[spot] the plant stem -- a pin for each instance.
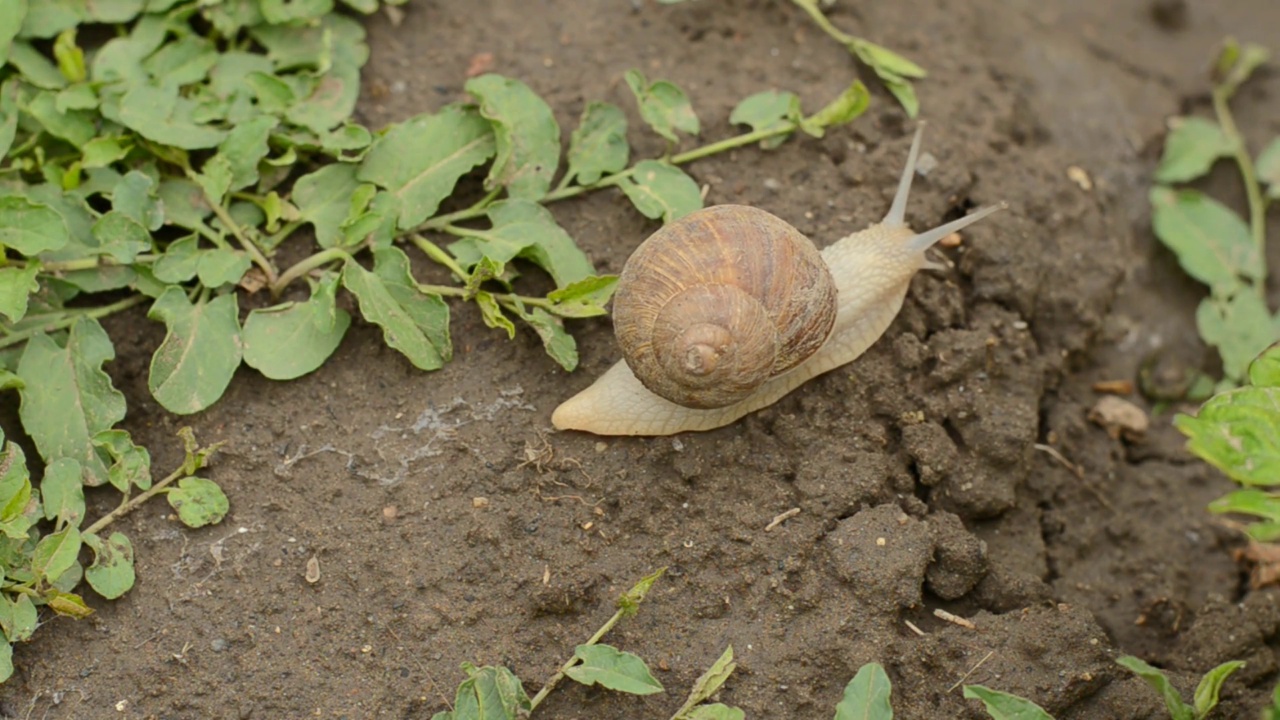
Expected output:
(87, 263)
(555, 679)
(129, 505)
(69, 318)
(434, 252)
(509, 299)
(1249, 175)
(254, 253)
(476, 210)
(811, 7)
(305, 266)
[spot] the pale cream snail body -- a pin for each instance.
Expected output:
(728, 309)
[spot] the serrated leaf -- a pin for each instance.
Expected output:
(1192, 147)
(526, 133)
(598, 146)
(767, 111)
(608, 667)
(130, 463)
(1213, 245)
(1239, 327)
(67, 398)
(844, 109)
(421, 160)
(111, 574)
(199, 502)
(62, 492)
(867, 696)
(415, 324)
(663, 105)
(293, 339)
(56, 553)
(30, 227)
(1004, 706)
(201, 351)
(583, 298)
(659, 190)
(1206, 695)
(16, 285)
(558, 343)
(1178, 710)
(489, 693)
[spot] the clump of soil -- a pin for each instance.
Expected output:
(951, 468)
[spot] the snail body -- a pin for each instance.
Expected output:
(729, 309)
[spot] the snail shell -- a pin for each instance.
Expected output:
(714, 304)
(872, 270)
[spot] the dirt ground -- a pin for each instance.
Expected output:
(933, 440)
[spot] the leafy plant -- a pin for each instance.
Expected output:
(1206, 695)
(43, 531)
(1238, 432)
(169, 166)
(1212, 243)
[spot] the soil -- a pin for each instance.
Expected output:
(952, 467)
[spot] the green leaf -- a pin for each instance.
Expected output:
(1206, 696)
(1235, 63)
(415, 324)
(844, 109)
(882, 58)
(69, 56)
(523, 228)
(30, 227)
(1212, 243)
(12, 13)
(1178, 710)
(130, 463)
(1268, 166)
(74, 126)
(288, 11)
(584, 298)
(153, 112)
(19, 618)
(67, 398)
(766, 111)
(134, 196)
(710, 681)
(8, 112)
(222, 266)
(14, 480)
(1240, 328)
(1264, 371)
(608, 667)
(68, 604)
(663, 105)
(16, 285)
(659, 190)
(199, 502)
(526, 133)
(36, 69)
(101, 152)
(179, 262)
(867, 696)
(324, 199)
(1259, 503)
(1191, 149)
(56, 553)
(331, 101)
(629, 601)
(62, 492)
(492, 314)
(246, 146)
(290, 340)
(111, 574)
(201, 351)
(419, 161)
(599, 146)
(1004, 706)
(1238, 432)
(489, 693)
(6, 650)
(121, 237)
(714, 711)
(559, 344)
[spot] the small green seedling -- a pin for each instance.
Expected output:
(1212, 243)
(1238, 432)
(1206, 695)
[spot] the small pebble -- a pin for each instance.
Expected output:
(398, 87)
(480, 502)
(772, 184)
(218, 645)
(926, 164)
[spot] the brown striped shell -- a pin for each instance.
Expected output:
(714, 304)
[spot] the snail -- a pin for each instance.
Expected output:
(728, 309)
